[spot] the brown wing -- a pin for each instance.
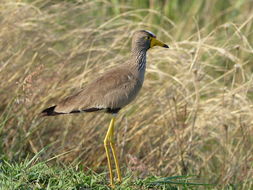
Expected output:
(113, 89)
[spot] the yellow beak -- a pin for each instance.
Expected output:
(155, 42)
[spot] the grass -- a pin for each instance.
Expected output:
(41, 176)
(193, 116)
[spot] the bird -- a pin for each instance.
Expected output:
(112, 91)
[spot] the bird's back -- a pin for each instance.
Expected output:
(112, 90)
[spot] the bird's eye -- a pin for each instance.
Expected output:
(147, 37)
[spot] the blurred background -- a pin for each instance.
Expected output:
(194, 114)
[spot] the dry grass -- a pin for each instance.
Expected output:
(193, 116)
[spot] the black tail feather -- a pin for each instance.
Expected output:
(49, 112)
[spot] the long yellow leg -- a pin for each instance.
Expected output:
(112, 143)
(106, 144)
(109, 139)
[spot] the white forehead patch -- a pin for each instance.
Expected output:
(151, 33)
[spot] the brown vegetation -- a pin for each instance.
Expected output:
(194, 114)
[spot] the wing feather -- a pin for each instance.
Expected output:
(114, 89)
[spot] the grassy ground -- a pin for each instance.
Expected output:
(193, 116)
(33, 175)
(40, 176)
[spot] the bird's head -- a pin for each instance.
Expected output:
(143, 40)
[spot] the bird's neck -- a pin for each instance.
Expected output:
(139, 59)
